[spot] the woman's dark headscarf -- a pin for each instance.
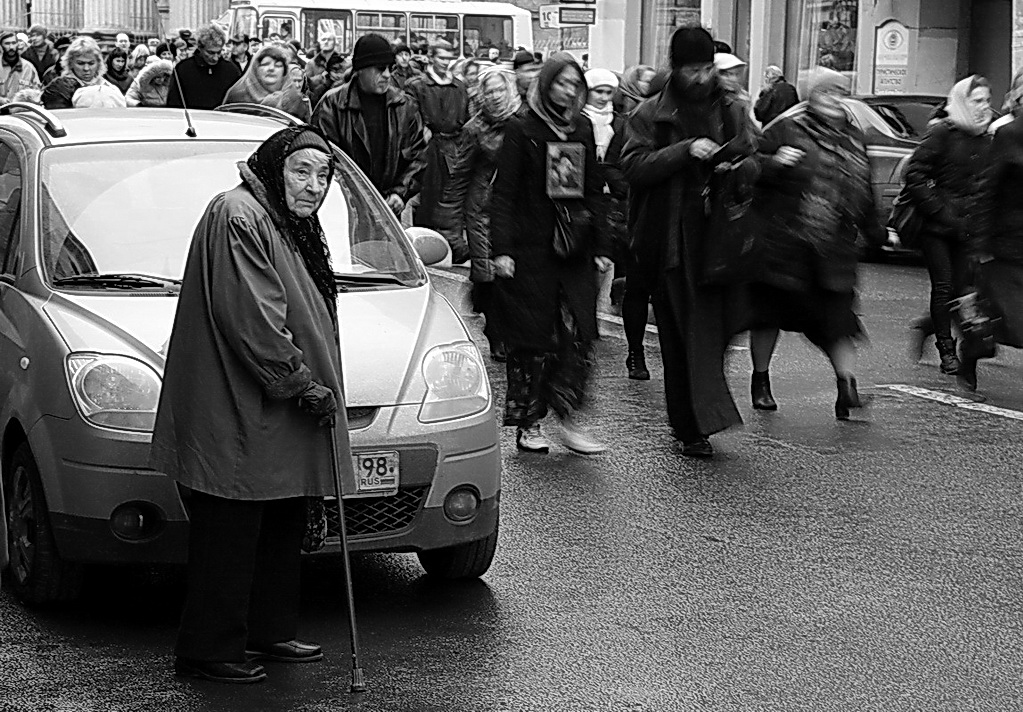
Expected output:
(562, 121)
(267, 163)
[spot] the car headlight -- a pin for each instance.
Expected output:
(456, 383)
(117, 392)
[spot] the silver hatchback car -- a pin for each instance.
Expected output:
(97, 209)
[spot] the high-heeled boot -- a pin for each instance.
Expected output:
(760, 390)
(947, 351)
(636, 363)
(848, 397)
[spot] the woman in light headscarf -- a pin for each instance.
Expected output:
(634, 87)
(547, 294)
(267, 73)
(289, 97)
(813, 200)
(1000, 248)
(943, 181)
(152, 85)
(467, 194)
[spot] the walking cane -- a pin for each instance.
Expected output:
(358, 678)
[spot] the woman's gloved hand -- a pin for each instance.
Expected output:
(319, 400)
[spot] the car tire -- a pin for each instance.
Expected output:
(37, 573)
(464, 561)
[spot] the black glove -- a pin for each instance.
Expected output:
(319, 400)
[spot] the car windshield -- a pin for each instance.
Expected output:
(124, 213)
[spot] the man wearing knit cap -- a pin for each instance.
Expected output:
(403, 70)
(16, 73)
(673, 145)
(443, 103)
(526, 68)
(40, 52)
(376, 123)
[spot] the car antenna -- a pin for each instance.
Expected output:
(190, 131)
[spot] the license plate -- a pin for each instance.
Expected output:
(376, 473)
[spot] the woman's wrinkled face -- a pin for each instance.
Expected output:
(565, 88)
(306, 178)
(118, 64)
(600, 97)
(645, 78)
(979, 104)
(270, 71)
(85, 67)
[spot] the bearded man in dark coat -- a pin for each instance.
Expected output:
(444, 106)
(673, 144)
(251, 388)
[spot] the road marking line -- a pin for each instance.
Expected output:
(954, 401)
(610, 318)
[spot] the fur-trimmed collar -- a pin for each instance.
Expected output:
(258, 190)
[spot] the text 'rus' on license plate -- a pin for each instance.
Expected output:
(376, 472)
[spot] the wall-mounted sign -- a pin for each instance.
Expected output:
(578, 16)
(549, 16)
(891, 58)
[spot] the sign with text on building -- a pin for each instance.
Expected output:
(550, 16)
(556, 16)
(891, 58)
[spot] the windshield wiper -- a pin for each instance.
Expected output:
(366, 278)
(117, 280)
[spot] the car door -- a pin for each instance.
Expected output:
(13, 310)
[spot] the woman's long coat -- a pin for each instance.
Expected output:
(522, 227)
(251, 331)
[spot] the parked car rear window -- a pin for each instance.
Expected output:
(132, 208)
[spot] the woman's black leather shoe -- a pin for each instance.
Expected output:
(235, 673)
(967, 375)
(636, 363)
(289, 651)
(848, 397)
(698, 448)
(760, 390)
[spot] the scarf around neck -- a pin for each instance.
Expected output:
(442, 81)
(510, 100)
(603, 129)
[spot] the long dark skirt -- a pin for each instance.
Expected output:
(541, 381)
(824, 317)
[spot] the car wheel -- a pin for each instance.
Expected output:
(38, 574)
(470, 560)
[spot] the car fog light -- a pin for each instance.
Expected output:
(461, 504)
(135, 521)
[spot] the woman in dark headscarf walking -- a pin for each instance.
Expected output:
(467, 195)
(944, 183)
(634, 87)
(252, 385)
(548, 296)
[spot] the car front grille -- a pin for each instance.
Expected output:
(376, 515)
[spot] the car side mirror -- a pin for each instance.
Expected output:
(430, 245)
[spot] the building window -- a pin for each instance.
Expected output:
(823, 33)
(668, 15)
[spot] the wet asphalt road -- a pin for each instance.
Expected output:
(813, 565)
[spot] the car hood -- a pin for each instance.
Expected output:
(384, 335)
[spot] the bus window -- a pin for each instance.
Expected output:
(245, 22)
(427, 29)
(390, 25)
(485, 31)
(278, 25)
(316, 23)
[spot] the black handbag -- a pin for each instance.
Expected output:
(572, 227)
(906, 220)
(728, 249)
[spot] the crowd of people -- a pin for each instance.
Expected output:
(564, 188)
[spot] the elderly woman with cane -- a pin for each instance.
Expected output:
(252, 390)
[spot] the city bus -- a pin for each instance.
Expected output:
(471, 27)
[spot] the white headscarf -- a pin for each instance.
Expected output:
(959, 112)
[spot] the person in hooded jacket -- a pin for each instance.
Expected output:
(944, 180)
(253, 389)
(151, 86)
(266, 74)
(117, 69)
(548, 296)
(466, 199)
(634, 87)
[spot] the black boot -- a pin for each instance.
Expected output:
(636, 363)
(947, 352)
(848, 397)
(760, 389)
(967, 374)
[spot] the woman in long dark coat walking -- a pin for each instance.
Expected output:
(251, 385)
(813, 198)
(548, 303)
(466, 200)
